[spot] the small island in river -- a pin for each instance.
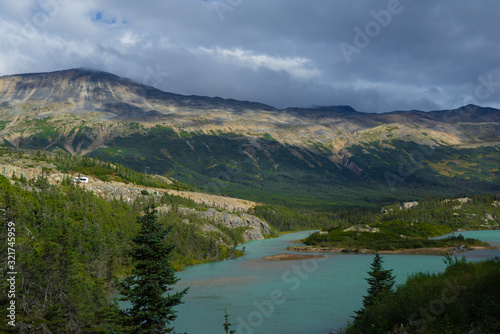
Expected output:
(395, 236)
(291, 257)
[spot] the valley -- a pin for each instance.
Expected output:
(224, 175)
(309, 157)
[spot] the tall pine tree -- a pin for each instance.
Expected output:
(227, 325)
(381, 282)
(152, 277)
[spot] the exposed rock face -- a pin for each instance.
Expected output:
(404, 206)
(18, 171)
(255, 227)
(365, 228)
(29, 168)
(463, 200)
(489, 217)
(344, 155)
(221, 202)
(408, 205)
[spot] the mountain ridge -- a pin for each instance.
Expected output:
(97, 75)
(141, 90)
(224, 143)
(109, 97)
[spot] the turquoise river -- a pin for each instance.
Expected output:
(313, 296)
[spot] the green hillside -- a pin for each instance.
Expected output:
(70, 246)
(240, 166)
(308, 157)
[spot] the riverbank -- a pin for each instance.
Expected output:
(291, 257)
(409, 251)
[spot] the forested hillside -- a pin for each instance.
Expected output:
(70, 245)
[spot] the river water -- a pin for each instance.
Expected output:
(313, 296)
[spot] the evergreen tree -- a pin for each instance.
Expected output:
(152, 277)
(227, 325)
(381, 282)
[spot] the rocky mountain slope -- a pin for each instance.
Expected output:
(231, 213)
(239, 147)
(66, 101)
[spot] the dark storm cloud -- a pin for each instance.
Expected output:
(373, 55)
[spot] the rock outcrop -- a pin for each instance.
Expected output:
(408, 205)
(365, 228)
(255, 228)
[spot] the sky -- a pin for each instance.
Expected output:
(375, 56)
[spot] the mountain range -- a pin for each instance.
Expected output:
(301, 156)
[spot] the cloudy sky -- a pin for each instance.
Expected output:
(373, 55)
